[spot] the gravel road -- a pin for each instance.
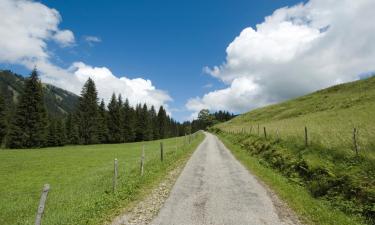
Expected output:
(214, 188)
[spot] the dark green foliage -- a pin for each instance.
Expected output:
(102, 123)
(3, 124)
(128, 126)
(71, 128)
(29, 124)
(163, 122)
(143, 124)
(58, 102)
(88, 114)
(154, 123)
(114, 122)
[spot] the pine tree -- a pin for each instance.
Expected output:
(71, 129)
(29, 124)
(60, 133)
(121, 117)
(162, 121)
(147, 125)
(3, 125)
(88, 113)
(102, 123)
(114, 126)
(154, 123)
(129, 122)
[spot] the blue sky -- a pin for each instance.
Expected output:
(170, 42)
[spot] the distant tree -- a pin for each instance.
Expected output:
(71, 130)
(88, 113)
(154, 123)
(60, 133)
(52, 137)
(114, 123)
(102, 123)
(129, 122)
(163, 123)
(29, 124)
(3, 123)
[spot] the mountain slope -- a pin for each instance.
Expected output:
(58, 102)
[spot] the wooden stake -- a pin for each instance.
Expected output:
(114, 183)
(265, 133)
(42, 203)
(306, 138)
(355, 145)
(161, 152)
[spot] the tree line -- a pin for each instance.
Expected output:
(92, 122)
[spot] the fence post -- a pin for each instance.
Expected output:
(142, 159)
(355, 145)
(161, 152)
(114, 183)
(306, 138)
(265, 133)
(42, 203)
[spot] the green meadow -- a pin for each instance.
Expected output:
(81, 179)
(328, 168)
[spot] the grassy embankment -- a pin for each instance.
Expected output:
(325, 182)
(81, 179)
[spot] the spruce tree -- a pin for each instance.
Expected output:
(3, 125)
(121, 117)
(71, 129)
(114, 126)
(52, 137)
(102, 123)
(162, 122)
(29, 124)
(154, 123)
(60, 133)
(88, 113)
(128, 125)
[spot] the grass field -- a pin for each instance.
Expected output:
(328, 167)
(81, 179)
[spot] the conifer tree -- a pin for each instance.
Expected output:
(129, 122)
(29, 124)
(3, 125)
(102, 123)
(60, 133)
(154, 123)
(71, 128)
(121, 117)
(114, 126)
(147, 125)
(52, 134)
(162, 121)
(88, 113)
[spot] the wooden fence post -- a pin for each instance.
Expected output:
(114, 183)
(42, 203)
(142, 159)
(306, 138)
(161, 152)
(265, 133)
(355, 145)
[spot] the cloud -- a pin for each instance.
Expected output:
(91, 40)
(295, 50)
(137, 90)
(26, 28)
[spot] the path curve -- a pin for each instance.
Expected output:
(214, 188)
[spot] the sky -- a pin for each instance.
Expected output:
(188, 55)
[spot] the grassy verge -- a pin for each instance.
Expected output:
(81, 180)
(290, 188)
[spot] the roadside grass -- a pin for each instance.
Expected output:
(81, 179)
(309, 209)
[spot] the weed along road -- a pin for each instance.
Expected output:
(214, 188)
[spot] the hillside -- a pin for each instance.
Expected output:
(327, 167)
(58, 101)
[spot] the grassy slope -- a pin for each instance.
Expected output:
(328, 168)
(81, 180)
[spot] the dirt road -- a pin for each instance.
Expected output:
(214, 188)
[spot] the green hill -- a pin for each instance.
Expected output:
(58, 101)
(328, 167)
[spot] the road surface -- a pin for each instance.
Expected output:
(214, 188)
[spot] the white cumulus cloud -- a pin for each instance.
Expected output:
(92, 39)
(294, 51)
(27, 26)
